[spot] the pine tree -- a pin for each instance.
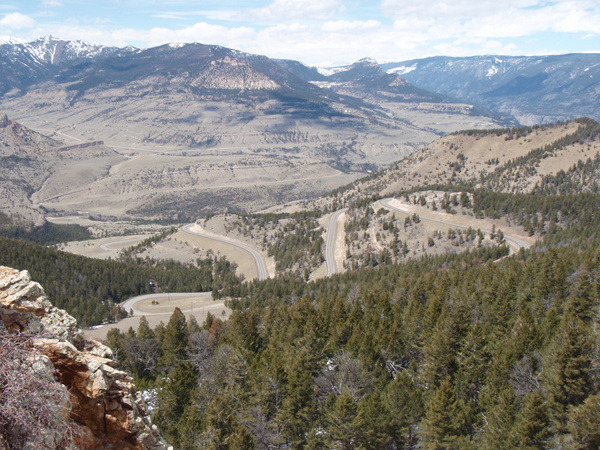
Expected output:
(582, 299)
(444, 421)
(208, 321)
(343, 423)
(378, 428)
(221, 423)
(404, 401)
(297, 409)
(193, 325)
(440, 352)
(473, 362)
(498, 421)
(584, 423)
(569, 365)
(175, 339)
(189, 427)
(532, 424)
(144, 331)
(240, 438)
(174, 396)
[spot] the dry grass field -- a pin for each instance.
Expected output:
(181, 246)
(102, 248)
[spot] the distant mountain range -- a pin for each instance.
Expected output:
(518, 90)
(24, 64)
(528, 89)
(205, 69)
(199, 96)
(514, 90)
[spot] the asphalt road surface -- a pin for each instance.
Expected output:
(129, 304)
(330, 243)
(261, 266)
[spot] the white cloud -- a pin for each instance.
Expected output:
(350, 25)
(443, 19)
(52, 3)
(323, 31)
(200, 32)
(17, 21)
(290, 10)
(450, 9)
(10, 40)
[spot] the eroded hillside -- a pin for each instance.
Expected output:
(506, 160)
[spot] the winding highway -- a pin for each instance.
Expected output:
(513, 241)
(107, 247)
(330, 242)
(129, 304)
(261, 265)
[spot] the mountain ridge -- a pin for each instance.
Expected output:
(200, 110)
(530, 89)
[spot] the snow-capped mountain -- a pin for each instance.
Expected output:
(25, 63)
(56, 51)
(50, 50)
(367, 80)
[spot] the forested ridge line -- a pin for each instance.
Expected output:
(48, 233)
(465, 355)
(469, 350)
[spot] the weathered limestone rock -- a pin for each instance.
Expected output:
(23, 304)
(106, 409)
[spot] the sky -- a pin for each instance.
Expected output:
(319, 32)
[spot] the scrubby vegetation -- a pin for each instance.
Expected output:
(35, 405)
(298, 247)
(468, 350)
(455, 350)
(508, 175)
(146, 243)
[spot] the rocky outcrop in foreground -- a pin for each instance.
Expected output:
(99, 403)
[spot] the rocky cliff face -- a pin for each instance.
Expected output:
(102, 408)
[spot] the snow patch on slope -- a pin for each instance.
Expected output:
(50, 50)
(402, 70)
(492, 71)
(327, 71)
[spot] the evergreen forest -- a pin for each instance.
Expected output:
(470, 350)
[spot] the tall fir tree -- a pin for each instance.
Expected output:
(174, 340)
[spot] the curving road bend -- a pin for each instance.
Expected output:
(261, 265)
(330, 242)
(107, 247)
(129, 304)
(513, 241)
